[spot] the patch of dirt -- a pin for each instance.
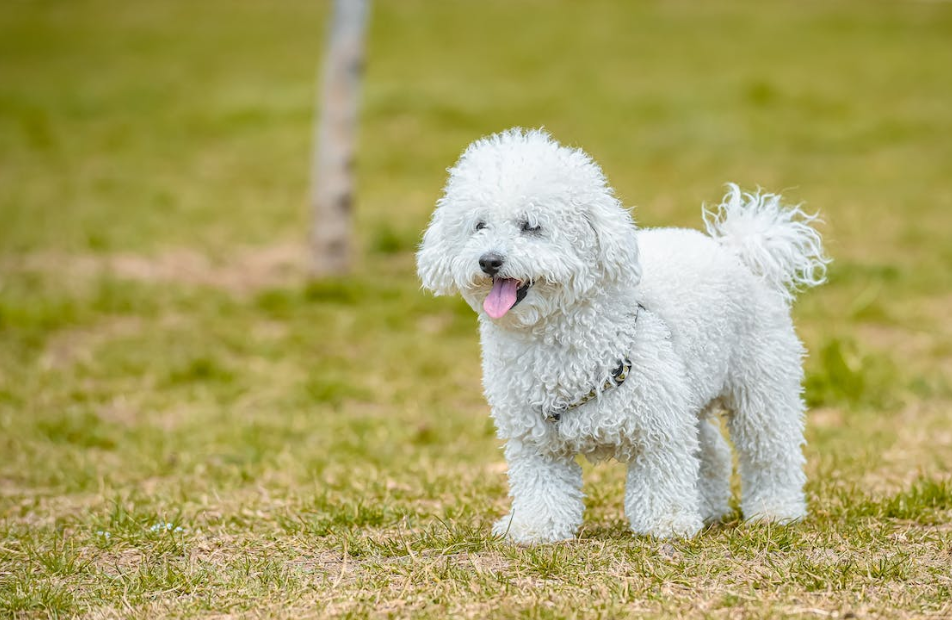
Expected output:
(923, 447)
(68, 347)
(246, 270)
(910, 343)
(825, 417)
(119, 411)
(939, 306)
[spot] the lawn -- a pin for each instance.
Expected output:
(191, 428)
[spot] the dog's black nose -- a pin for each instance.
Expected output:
(490, 262)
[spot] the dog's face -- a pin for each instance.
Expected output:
(526, 228)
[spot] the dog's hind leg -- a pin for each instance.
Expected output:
(547, 500)
(714, 481)
(766, 426)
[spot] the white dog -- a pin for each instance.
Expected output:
(611, 342)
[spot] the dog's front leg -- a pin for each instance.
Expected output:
(661, 495)
(546, 496)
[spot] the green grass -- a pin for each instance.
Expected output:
(324, 447)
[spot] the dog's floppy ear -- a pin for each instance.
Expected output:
(617, 241)
(433, 257)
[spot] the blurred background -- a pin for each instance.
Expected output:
(163, 348)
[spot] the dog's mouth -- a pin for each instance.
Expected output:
(504, 296)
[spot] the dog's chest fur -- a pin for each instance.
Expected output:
(527, 374)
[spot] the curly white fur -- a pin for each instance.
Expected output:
(704, 321)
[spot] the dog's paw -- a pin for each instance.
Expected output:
(780, 517)
(680, 525)
(527, 532)
(714, 513)
(782, 511)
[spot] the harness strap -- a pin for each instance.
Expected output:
(619, 374)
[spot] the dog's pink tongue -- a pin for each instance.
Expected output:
(501, 298)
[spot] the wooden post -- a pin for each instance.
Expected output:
(335, 140)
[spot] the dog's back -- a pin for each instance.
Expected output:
(706, 296)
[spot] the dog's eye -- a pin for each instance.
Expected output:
(528, 228)
(480, 225)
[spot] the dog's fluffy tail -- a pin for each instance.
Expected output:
(775, 241)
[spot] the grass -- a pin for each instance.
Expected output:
(189, 428)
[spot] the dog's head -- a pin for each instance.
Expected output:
(526, 228)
